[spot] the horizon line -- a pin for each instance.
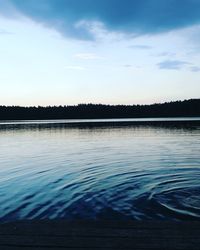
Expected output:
(102, 104)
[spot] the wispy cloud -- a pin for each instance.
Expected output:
(130, 66)
(169, 54)
(127, 66)
(87, 56)
(195, 69)
(75, 68)
(172, 64)
(141, 47)
(5, 32)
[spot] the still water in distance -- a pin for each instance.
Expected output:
(137, 171)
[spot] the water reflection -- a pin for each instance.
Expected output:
(126, 170)
(172, 123)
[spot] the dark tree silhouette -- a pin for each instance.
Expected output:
(187, 108)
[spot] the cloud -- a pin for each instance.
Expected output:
(77, 18)
(195, 69)
(87, 56)
(130, 66)
(166, 54)
(142, 47)
(5, 32)
(127, 66)
(172, 64)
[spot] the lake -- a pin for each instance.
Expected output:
(140, 169)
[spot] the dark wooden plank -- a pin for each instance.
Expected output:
(31, 248)
(93, 230)
(51, 226)
(105, 233)
(92, 235)
(95, 242)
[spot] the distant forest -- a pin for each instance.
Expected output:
(185, 108)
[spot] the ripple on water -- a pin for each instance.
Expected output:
(132, 172)
(185, 201)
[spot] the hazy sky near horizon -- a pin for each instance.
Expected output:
(62, 52)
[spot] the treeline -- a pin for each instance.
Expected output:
(185, 108)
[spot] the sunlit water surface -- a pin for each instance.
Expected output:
(135, 172)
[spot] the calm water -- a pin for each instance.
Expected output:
(116, 171)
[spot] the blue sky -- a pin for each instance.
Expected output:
(99, 51)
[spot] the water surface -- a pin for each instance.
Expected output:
(139, 171)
